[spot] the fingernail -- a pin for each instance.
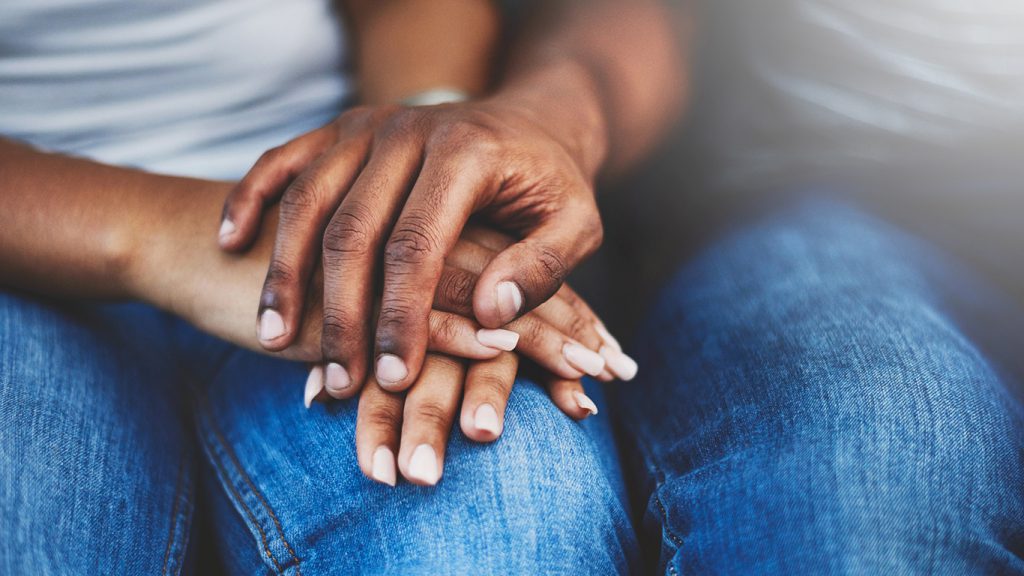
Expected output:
(501, 339)
(271, 325)
(605, 376)
(227, 228)
(384, 466)
(486, 419)
(607, 336)
(390, 370)
(337, 378)
(314, 384)
(510, 300)
(583, 358)
(423, 465)
(584, 401)
(621, 365)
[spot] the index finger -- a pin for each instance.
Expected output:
(429, 225)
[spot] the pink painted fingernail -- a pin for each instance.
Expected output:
(607, 336)
(314, 384)
(423, 465)
(501, 339)
(337, 378)
(510, 300)
(622, 366)
(390, 370)
(584, 401)
(271, 325)
(227, 228)
(383, 469)
(486, 419)
(582, 358)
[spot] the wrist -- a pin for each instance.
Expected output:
(164, 242)
(562, 97)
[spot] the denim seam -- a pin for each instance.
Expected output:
(673, 539)
(180, 499)
(657, 475)
(216, 462)
(226, 447)
(676, 540)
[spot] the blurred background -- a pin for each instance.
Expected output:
(912, 107)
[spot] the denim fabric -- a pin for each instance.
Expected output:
(98, 465)
(540, 500)
(819, 393)
(825, 394)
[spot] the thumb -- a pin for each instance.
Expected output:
(529, 272)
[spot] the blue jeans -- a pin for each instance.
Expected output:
(819, 392)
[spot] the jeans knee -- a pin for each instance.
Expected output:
(810, 365)
(540, 499)
(85, 429)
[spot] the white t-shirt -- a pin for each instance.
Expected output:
(187, 87)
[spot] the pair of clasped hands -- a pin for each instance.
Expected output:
(388, 227)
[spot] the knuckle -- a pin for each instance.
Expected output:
(303, 194)
(446, 329)
(493, 383)
(403, 122)
(280, 274)
(412, 244)
(338, 329)
(350, 232)
(552, 265)
(393, 315)
(532, 330)
(270, 157)
(465, 133)
(383, 417)
(433, 415)
(457, 288)
(355, 117)
(578, 327)
(382, 112)
(566, 293)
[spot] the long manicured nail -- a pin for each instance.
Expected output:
(583, 358)
(423, 465)
(271, 325)
(390, 370)
(510, 300)
(605, 376)
(337, 379)
(314, 384)
(486, 419)
(227, 228)
(607, 336)
(384, 466)
(621, 365)
(501, 339)
(584, 401)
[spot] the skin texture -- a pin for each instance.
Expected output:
(125, 234)
(383, 192)
(78, 229)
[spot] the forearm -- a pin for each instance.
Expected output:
(407, 46)
(79, 229)
(609, 76)
(72, 227)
